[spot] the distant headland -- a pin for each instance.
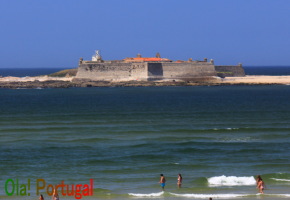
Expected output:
(143, 71)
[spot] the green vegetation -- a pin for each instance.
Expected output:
(64, 73)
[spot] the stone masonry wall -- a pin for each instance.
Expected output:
(121, 71)
(188, 70)
(155, 71)
(230, 71)
(104, 71)
(112, 71)
(139, 71)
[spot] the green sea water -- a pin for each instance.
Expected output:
(218, 138)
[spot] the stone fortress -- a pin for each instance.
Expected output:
(152, 69)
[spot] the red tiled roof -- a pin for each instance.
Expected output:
(148, 59)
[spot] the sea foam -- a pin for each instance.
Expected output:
(277, 179)
(157, 194)
(231, 181)
(206, 196)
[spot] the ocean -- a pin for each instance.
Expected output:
(22, 72)
(218, 137)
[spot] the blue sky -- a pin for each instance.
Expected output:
(51, 33)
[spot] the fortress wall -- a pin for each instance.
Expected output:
(104, 71)
(109, 71)
(139, 71)
(230, 71)
(188, 70)
(155, 71)
(121, 71)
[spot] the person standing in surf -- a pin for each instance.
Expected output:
(55, 195)
(179, 180)
(162, 181)
(260, 184)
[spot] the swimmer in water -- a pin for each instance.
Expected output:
(162, 181)
(179, 180)
(260, 184)
(55, 195)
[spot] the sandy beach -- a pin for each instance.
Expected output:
(284, 80)
(34, 78)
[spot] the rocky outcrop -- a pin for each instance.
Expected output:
(89, 83)
(37, 84)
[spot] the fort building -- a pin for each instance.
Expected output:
(152, 68)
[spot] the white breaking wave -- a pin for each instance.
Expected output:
(206, 196)
(231, 181)
(276, 195)
(232, 128)
(203, 196)
(277, 179)
(158, 194)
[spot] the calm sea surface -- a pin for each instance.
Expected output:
(217, 137)
(22, 72)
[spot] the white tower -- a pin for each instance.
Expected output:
(97, 56)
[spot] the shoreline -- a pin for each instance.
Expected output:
(67, 82)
